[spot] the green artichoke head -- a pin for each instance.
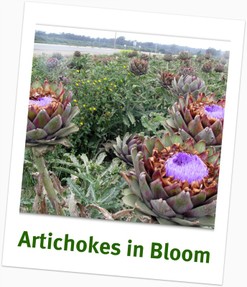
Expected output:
(138, 66)
(174, 181)
(49, 114)
(122, 147)
(188, 84)
(199, 118)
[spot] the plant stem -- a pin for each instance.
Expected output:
(38, 154)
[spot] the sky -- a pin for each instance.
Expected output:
(159, 39)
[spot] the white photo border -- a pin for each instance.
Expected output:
(102, 230)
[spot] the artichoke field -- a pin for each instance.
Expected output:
(132, 136)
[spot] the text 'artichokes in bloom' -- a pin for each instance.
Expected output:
(174, 181)
(201, 118)
(49, 114)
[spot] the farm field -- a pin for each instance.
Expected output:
(124, 135)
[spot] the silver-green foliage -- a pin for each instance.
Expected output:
(92, 182)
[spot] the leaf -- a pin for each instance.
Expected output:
(126, 121)
(72, 205)
(74, 188)
(84, 158)
(131, 118)
(100, 158)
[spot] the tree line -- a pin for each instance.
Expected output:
(119, 43)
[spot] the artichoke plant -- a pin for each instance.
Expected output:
(122, 148)
(166, 79)
(184, 55)
(168, 57)
(138, 66)
(52, 63)
(174, 181)
(77, 54)
(200, 119)
(207, 67)
(145, 57)
(219, 68)
(186, 71)
(49, 114)
(49, 123)
(188, 85)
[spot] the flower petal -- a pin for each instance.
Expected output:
(162, 209)
(53, 125)
(158, 190)
(36, 134)
(203, 210)
(144, 187)
(41, 119)
(181, 202)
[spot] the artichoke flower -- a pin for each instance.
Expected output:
(200, 119)
(122, 148)
(49, 114)
(207, 67)
(166, 79)
(184, 55)
(188, 85)
(52, 63)
(138, 66)
(219, 68)
(168, 57)
(174, 181)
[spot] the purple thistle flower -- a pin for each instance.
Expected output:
(214, 111)
(186, 167)
(41, 102)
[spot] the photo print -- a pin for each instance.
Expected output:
(124, 126)
(123, 143)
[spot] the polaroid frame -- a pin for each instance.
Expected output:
(124, 234)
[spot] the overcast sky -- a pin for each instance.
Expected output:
(182, 41)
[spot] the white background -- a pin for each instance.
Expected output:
(11, 21)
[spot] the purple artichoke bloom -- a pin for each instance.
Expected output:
(49, 114)
(214, 111)
(41, 102)
(184, 166)
(174, 181)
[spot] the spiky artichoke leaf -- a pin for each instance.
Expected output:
(53, 125)
(207, 221)
(203, 210)
(36, 134)
(132, 181)
(207, 135)
(141, 206)
(63, 132)
(130, 200)
(185, 222)
(74, 111)
(200, 146)
(164, 221)
(40, 143)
